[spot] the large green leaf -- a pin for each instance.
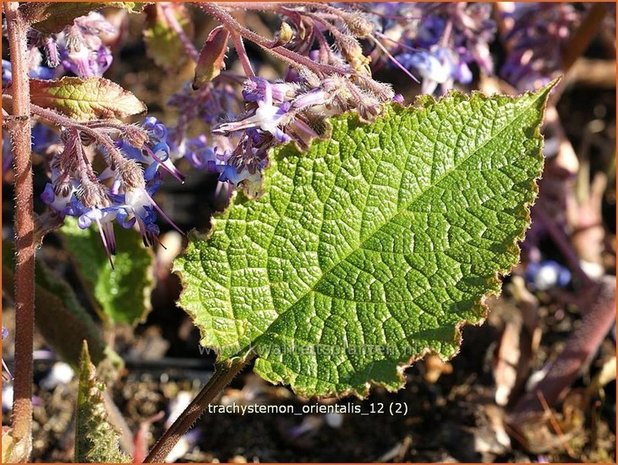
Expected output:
(372, 248)
(122, 292)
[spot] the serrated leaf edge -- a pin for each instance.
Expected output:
(494, 283)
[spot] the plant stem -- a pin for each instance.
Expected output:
(580, 40)
(177, 27)
(288, 56)
(20, 132)
(56, 118)
(598, 307)
(561, 240)
(242, 54)
(223, 375)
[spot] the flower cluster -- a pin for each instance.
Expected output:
(442, 43)
(78, 49)
(123, 191)
(242, 126)
(81, 48)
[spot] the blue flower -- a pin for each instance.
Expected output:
(127, 198)
(268, 116)
(156, 153)
(200, 154)
(39, 72)
(434, 66)
(547, 274)
(430, 31)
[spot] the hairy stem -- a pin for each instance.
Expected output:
(20, 133)
(223, 375)
(242, 54)
(177, 27)
(288, 56)
(57, 119)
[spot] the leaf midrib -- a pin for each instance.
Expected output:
(312, 287)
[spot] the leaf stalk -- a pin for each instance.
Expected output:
(224, 373)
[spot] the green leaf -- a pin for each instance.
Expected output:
(96, 441)
(372, 248)
(163, 44)
(85, 99)
(52, 17)
(122, 292)
(60, 318)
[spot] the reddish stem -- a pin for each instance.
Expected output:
(223, 375)
(20, 132)
(560, 238)
(56, 118)
(598, 306)
(289, 56)
(242, 54)
(177, 27)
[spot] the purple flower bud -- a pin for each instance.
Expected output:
(309, 99)
(155, 152)
(267, 117)
(48, 195)
(7, 154)
(7, 76)
(60, 197)
(155, 128)
(232, 175)
(51, 51)
(430, 66)
(84, 62)
(199, 154)
(90, 216)
(462, 73)
(41, 72)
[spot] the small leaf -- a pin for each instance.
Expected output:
(212, 57)
(85, 99)
(52, 17)
(96, 441)
(123, 292)
(163, 43)
(372, 248)
(59, 317)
